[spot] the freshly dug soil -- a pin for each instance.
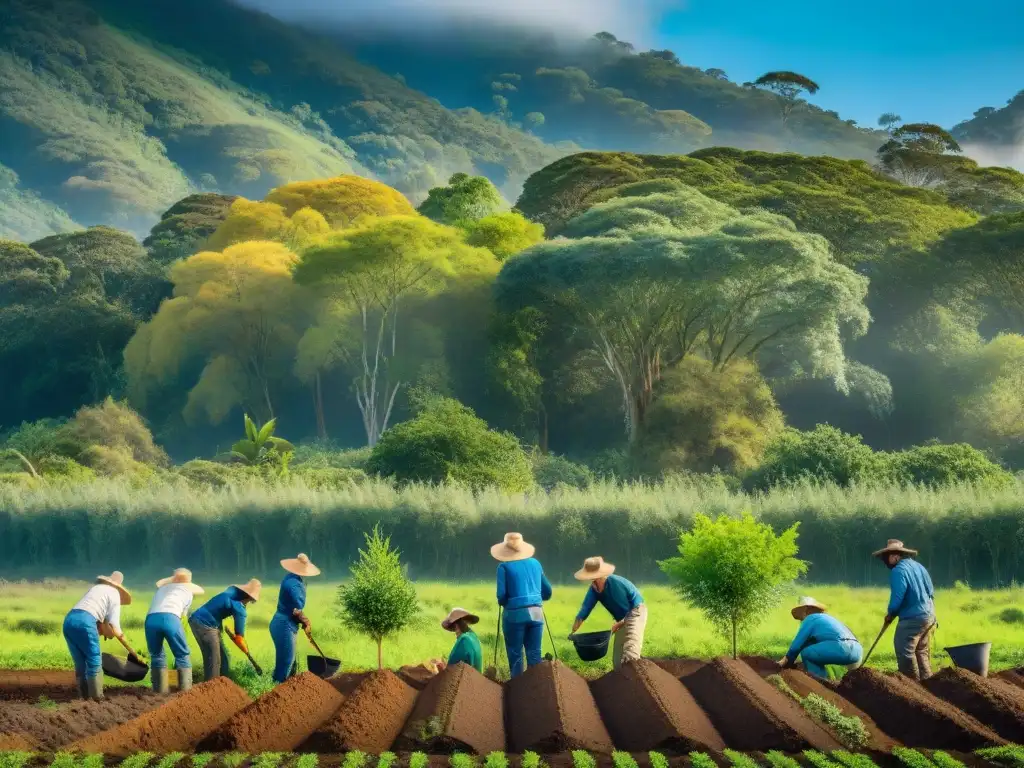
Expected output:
(750, 714)
(416, 675)
(30, 684)
(176, 726)
(920, 719)
(679, 667)
(459, 711)
(999, 705)
(53, 728)
(549, 708)
(1013, 676)
(17, 742)
(370, 719)
(278, 721)
(645, 708)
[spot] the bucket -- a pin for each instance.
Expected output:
(591, 646)
(323, 666)
(123, 669)
(973, 657)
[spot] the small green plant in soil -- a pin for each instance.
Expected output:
(496, 760)
(418, 760)
(461, 760)
(701, 760)
(46, 703)
(267, 760)
(853, 760)
(1010, 755)
(202, 760)
(386, 759)
(307, 761)
(912, 758)
(530, 760)
(171, 759)
(71, 760)
(234, 759)
(657, 760)
(139, 760)
(849, 730)
(16, 759)
(778, 760)
(819, 760)
(583, 759)
(739, 760)
(943, 760)
(354, 759)
(623, 760)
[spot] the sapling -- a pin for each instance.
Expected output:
(386, 759)
(701, 760)
(739, 760)
(461, 760)
(530, 760)
(583, 759)
(138, 760)
(623, 760)
(418, 760)
(657, 760)
(354, 759)
(496, 760)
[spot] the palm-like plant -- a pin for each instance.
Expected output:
(260, 446)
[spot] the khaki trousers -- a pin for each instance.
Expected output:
(629, 641)
(913, 644)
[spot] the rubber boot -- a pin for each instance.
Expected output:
(184, 679)
(159, 680)
(94, 686)
(83, 688)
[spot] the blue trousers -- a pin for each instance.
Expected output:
(841, 653)
(522, 632)
(83, 641)
(283, 631)
(162, 627)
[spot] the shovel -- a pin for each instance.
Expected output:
(330, 666)
(872, 648)
(492, 671)
(252, 661)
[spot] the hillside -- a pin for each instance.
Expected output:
(999, 131)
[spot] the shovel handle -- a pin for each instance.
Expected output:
(872, 648)
(309, 636)
(259, 670)
(131, 652)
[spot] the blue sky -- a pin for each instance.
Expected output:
(928, 61)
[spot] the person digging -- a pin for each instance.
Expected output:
(164, 623)
(912, 601)
(206, 623)
(291, 599)
(622, 600)
(97, 613)
(822, 639)
(467, 645)
(522, 588)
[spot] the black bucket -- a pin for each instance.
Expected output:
(323, 666)
(973, 657)
(591, 646)
(123, 669)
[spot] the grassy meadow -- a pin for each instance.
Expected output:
(31, 615)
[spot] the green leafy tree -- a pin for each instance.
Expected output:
(913, 154)
(503, 234)
(26, 275)
(944, 465)
(734, 570)
(184, 227)
(466, 198)
(378, 601)
(787, 86)
(889, 121)
(823, 455)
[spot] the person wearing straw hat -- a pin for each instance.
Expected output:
(822, 639)
(164, 622)
(285, 625)
(522, 589)
(622, 600)
(206, 624)
(98, 612)
(467, 645)
(912, 601)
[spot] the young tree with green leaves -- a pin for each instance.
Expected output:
(734, 570)
(914, 154)
(379, 600)
(787, 86)
(889, 121)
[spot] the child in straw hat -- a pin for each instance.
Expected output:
(98, 611)
(168, 610)
(912, 601)
(821, 640)
(206, 624)
(467, 645)
(522, 588)
(285, 625)
(622, 600)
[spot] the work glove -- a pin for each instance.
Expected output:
(240, 643)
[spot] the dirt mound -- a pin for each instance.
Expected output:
(371, 718)
(278, 721)
(549, 708)
(1012, 676)
(679, 667)
(750, 714)
(993, 702)
(460, 710)
(17, 742)
(924, 719)
(645, 708)
(30, 684)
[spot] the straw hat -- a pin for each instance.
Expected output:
(182, 577)
(116, 580)
(458, 613)
(805, 606)
(895, 547)
(252, 589)
(512, 548)
(594, 568)
(300, 566)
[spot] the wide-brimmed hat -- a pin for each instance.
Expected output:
(252, 589)
(594, 568)
(116, 580)
(512, 548)
(805, 606)
(895, 547)
(458, 613)
(183, 578)
(300, 566)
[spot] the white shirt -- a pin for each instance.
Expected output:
(171, 598)
(103, 603)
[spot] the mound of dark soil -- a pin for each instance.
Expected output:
(679, 667)
(919, 718)
(993, 702)
(751, 715)
(549, 708)
(459, 711)
(644, 708)
(1012, 676)
(370, 719)
(278, 721)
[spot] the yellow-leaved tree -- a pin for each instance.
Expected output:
(342, 200)
(250, 220)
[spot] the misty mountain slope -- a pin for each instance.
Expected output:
(24, 216)
(996, 134)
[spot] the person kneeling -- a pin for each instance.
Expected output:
(467, 645)
(821, 640)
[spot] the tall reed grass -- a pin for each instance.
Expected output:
(963, 533)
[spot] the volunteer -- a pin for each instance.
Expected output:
(622, 600)
(207, 621)
(522, 588)
(285, 625)
(98, 612)
(912, 601)
(822, 639)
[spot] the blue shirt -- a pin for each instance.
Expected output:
(911, 592)
(292, 596)
(619, 596)
(522, 583)
(219, 607)
(818, 628)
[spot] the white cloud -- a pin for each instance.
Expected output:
(1003, 156)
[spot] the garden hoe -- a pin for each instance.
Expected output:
(492, 671)
(872, 648)
(252, 661)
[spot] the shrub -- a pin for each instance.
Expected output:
(912, 758)
(354, 759)
(623, 760)
(328, 478)
(657, 760)
(37, 440)
(818, 760)
(213, 474)
(938, 465)
(203, 759)
(446, 442)
(701, 760)
(1011, 616)
(550, 472)
(943, 760)
(461, 760)
(849, 730)
(496, 760)
(138, 760)
(739, 760)
(115, 427)
(64, 469)
(778, 760)
(324, 454)
(386, 759)
(823, 455)
(418, 760)
(530, 760)
(583, 759)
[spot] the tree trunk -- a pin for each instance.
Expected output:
(380, 654)
(318, 404)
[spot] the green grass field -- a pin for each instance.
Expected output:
(31, 617)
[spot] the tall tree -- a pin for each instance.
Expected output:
(465, 199)
(914, 154)
(787, 86)
(889, 121)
